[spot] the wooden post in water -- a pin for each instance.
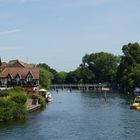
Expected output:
(105, 96)
(105, 89)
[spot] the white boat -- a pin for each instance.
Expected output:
(48, 97)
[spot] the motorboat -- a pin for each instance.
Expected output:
(46, 94)
(48, 97)
(136, 103)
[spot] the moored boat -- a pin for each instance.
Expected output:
(48, 97)
(136, 103)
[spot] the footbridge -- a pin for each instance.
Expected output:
(79, 86)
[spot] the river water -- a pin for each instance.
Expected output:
(78, 116)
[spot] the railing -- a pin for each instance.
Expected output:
(55, 86)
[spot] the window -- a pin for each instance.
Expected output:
(9, 78)
(29, 77)
(17, 78)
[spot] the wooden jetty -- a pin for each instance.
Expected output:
(31, 107)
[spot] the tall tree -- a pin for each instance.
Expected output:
(128, 74)
(100, 67)
(59, 78)
(45, 78)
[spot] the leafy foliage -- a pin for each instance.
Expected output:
(41, 100)
(10, 110)
(13, 107)
(18, 95)
(4, 93)
(59, 77)
(45, 78)
(34, 96)
(6, 109)
(128, 74)
(95, 68)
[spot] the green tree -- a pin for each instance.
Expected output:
(45, 78)
(128, 74)
(100, 67)
(45, 66)
(59, 78)
(73, 77)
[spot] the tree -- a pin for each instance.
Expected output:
(100, 67)
(45, 78)
(59, 78)
(128, 74)
(73, 77)
(45, 66)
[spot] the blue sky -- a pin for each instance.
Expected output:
(61, 32)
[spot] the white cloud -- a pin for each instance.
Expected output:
(9, 32)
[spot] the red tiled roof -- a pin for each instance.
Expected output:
(12, 63)
(23, 72)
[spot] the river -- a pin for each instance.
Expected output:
(78, 116)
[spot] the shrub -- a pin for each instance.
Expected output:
(19, 111)
(41, 100)
(19, 98)
(6, 109)
(4, 93)
(34, 96)
(42, 94)
(18, 95)
(13, 107)
(10, 110)
(17, 90)
(6, 103)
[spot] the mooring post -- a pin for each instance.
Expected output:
(105, 96)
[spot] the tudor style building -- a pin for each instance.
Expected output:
(17, 73)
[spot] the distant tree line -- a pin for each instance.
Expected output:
(120, 71)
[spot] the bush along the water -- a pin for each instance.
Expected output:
(6, 112)
(34, 96)
(41, 100)
(34, 99)
(14, 106)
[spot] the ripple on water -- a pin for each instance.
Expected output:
(78, 116)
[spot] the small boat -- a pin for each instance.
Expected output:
(48, 97)
(105, 89)
(136, 103)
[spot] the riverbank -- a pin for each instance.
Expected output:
(15, 103)
(31, 107)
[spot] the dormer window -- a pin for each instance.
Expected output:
(17, 78)
(29, 77)
(9, 78)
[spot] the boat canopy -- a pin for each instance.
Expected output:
(43, 90)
